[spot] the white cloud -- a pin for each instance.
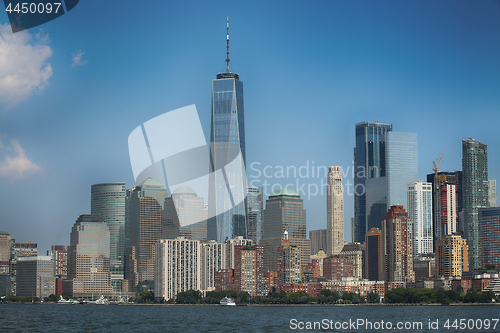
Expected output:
(77, 59)
(23, 65)
(15, 164)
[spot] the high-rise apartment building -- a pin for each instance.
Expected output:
(451, 255)
(288, 263)
(255, 213)
(34, 276)
(88, 258)
(108, 201)
(213, 258)
(397, 246)
(146, 205)
(334, 211)
(374, 258)
(492, 192)
(231, 246)
(284, 212)
(177, 267)
(337, 267)
(227, 179)
(370, 163)
(318, 240)
(420, 211)
(59, 257)
(249, 270)
(356, 252)
(447, 202)
(489, 237)
(475, 193)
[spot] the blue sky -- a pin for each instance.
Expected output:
(311, 70)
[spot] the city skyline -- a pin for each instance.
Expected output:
(409, 76)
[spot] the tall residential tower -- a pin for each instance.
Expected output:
(334, 211)
(475, 193)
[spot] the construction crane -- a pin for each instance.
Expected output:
(435, 169)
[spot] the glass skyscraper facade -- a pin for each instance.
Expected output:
(402, 166)
(108, 201)
(369, 162)
(255, 217)
(227, 180)
(475, 193)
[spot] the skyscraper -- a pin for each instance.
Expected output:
(492, 192)
(369, 162)
(397, 246)
(284, 212)
(334, 211)
(446, 201)
(385, 161)
(108, 201)
(451, 254)
(318, 240)
(255, 216)
(227, 180)
(146, 207)
(184, 215)
(489, 237)
(374, 259)
(88, 258)
(420, 211)
(475, 193)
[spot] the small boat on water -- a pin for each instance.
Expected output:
(226, 301)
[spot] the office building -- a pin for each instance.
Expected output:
(284, 212)
(489, 237)
(59, 257)
(492, 192)
(334, 211)
(374, 258)
(108, 201)
(177, 267)
(255, 213)
(34, 276)
(19, 250)
(420, 211)
(385, 162)
(185, 215)
(89, 271)
(475, 193)
(146, 205)
(227, 179)
(370, 163)
(318, 240)
(397, 246)
(451, 256)
(5, 245)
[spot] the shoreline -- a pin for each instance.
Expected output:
(264, 305)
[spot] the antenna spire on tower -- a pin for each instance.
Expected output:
(227, 51)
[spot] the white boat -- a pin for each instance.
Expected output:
(226, 301)
(66, 301)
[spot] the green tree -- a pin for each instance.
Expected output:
(372, 297)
